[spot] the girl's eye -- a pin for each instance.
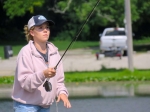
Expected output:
(40, 27)
(47, 27)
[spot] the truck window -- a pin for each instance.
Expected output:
(115, 33)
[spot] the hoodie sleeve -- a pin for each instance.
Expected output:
(28, 79)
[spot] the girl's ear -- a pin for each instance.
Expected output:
(31, 33)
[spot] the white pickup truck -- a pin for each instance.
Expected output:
(113, 39)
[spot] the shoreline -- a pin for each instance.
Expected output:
(98, 89)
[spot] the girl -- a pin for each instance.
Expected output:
(35, 65)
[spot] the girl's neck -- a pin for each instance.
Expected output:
(41, 47)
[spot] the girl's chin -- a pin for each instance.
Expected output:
(44, 40)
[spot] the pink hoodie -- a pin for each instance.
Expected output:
(29, 78)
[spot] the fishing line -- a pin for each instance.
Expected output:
(56, 105)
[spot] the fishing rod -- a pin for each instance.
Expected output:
(47, 85)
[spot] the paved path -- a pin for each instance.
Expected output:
(85, 60)
(89, 62)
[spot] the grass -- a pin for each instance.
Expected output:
(104, 75)
(144, 41)
(6, 79)
(62, 45)
(16, 46)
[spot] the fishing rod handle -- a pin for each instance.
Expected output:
(47, 85)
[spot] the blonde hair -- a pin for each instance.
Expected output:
(27, 33)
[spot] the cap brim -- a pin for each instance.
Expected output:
(51, 23)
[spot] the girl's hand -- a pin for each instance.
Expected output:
(49, 73)
(64, 98)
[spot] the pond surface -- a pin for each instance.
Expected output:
(122, 104)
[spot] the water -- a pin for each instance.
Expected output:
(124, 104)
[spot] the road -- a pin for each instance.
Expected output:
(85, 60)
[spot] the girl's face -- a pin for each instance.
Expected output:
(41, 33)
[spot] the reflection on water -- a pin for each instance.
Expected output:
(125, 104)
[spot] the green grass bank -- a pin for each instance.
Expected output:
(104, 75)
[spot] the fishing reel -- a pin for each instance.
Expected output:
(48, 86)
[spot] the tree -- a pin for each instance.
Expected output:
(70, 14)
(108, 13)
(20, 7)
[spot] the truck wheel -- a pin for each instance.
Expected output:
(125, 53)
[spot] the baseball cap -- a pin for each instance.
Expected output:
(38, 20)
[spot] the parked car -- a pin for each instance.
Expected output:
(113, 39)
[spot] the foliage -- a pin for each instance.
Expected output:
(108, 13)
(143, 41)
(63, 36)
(70, 18)
(19, 8)
(104, 75)
(108, 75)
(6, 79)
